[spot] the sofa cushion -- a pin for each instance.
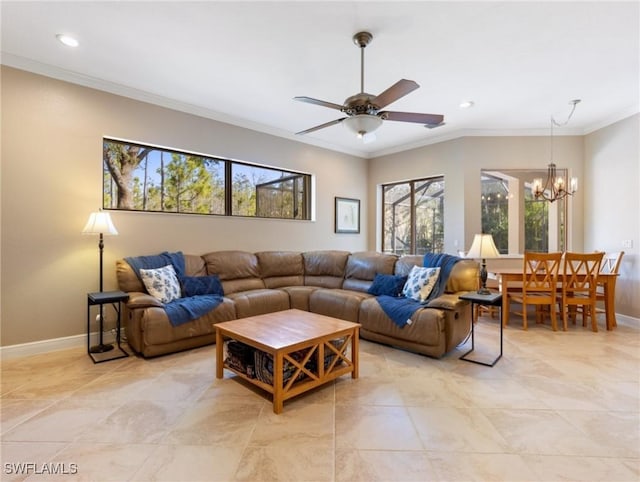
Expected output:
(362, 268)
(337, 303)
(281, 268)
(238, 270)
(162, 283)
(201, 285)
(194, 265)
(259, 302)
(299, 296)
(405, 263)
(387, 284)
(325, 268)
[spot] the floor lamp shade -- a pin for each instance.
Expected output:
(482, 248)
(100, 223)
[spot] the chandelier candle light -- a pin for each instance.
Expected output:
(100, 223)
(555, 188)
(482, 248)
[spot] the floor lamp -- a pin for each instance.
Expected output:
(100, 223)
(482, 248)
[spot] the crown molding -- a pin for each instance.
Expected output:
(623, 114)
(47, 70)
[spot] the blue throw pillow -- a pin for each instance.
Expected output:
(201, 285)
(387, 284)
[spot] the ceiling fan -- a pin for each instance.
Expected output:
(364, 112)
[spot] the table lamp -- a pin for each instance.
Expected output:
(482, 248)
(100, 223)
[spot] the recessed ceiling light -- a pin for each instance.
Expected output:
(466, 104)
(67, 40)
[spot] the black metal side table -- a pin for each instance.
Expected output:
(101, 298)
(492, 299)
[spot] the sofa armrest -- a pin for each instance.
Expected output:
(447, 301)
(142, 300)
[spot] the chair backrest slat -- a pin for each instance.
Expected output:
(611, 262)
(540, 273)
(581, 273)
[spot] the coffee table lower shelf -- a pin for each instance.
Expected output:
(341, 360)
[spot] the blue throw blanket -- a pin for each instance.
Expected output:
(181, 310)
(158, 261)
(445, 262)
(401, 309)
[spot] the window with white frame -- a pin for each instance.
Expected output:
(516, 220)
(413, 216)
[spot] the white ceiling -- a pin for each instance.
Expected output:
(243, 62)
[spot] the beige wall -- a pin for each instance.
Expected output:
(612, 212)
(51, 180)
(460, 161)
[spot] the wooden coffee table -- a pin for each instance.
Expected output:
(284, 332)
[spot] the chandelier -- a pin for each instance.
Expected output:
(555, 187)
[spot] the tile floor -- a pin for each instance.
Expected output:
(558, 406)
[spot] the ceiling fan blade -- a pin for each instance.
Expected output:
(321, 126)
(395, 92)
(427, 119)
(311, 100)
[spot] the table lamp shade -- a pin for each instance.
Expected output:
(483, 247)
(100, 223)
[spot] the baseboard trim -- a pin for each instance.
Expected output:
(76, 341)
(46, 346)
(627, 319)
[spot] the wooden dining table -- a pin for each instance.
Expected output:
(514, 277)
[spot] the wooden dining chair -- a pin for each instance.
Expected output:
(539, 283)
(610, 265)
(579, 286)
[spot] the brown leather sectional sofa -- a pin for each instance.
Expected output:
(332, 283)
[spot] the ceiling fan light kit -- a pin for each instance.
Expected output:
(364, 112)
(363, 124)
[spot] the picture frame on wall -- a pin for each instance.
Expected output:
(347, 215)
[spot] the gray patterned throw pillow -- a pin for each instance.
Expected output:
(161, 283)
(420, 283)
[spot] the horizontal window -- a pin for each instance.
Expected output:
(137, 177)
